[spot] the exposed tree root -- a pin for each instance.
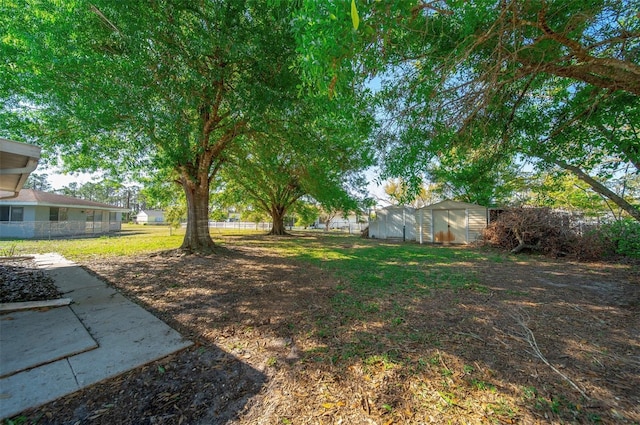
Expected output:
(181, 252)
(283, 233)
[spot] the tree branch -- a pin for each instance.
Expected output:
(598, 187)
(529, 337)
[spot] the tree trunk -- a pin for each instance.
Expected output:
(601, 189)
(197, 237)
(277, 218)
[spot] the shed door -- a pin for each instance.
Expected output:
(449, 226)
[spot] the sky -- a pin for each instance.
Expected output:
(59, 180)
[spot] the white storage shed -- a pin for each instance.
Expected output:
(393, 222)
(450, 222)
(150, 217)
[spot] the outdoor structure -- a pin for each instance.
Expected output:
(150, 217)
(393, 222)
(450, 222)
(17, 161)
(36, 214)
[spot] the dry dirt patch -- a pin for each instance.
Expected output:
(273, 346)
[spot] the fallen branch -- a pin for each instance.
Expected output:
(530, 338)
(522, 244)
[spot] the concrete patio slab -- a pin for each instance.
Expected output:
(127, 336)
(35, 387)
(33, 338)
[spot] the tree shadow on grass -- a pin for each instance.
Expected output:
(200, 384)
(401, 348)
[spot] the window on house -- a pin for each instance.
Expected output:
(57, 214)
(17, 213)
(89, 224)
(9, 213)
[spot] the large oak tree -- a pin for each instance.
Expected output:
(316, 150)
(145, 85)
(554, 82)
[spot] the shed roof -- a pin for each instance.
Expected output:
(451, 205)
(151, 213)
(397, 207)
(39, 198)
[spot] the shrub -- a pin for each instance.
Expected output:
(624, 235)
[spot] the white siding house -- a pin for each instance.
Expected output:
(150, 217)
(36, 214)
(394, 222)
(450, 222)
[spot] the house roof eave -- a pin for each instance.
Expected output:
(77, 207)
(18, 161)
(30, 197)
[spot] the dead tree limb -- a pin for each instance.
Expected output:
(521, 319)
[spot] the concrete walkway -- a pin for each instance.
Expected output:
(47, 354)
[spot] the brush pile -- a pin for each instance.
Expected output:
(550, 232)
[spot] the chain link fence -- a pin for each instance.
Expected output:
(55, 229)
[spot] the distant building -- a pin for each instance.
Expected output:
(352, 222)
(34, 214)
(150, 217)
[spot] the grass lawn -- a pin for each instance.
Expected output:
(132, 240)
(385, 332)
